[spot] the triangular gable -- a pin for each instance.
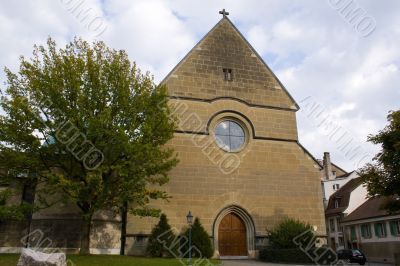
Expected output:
(200, 73)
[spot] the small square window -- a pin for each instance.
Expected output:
(228, 74)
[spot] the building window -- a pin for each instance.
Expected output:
(229, 136)
(140, 240)
(228, 74)
(341, 241)
(366, 231)
(340, 228)
(395, 227)
(337, 203)
(332, 225)
(353, 233)
(380, 230)
(336, 186)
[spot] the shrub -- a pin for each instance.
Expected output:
(282, 236)
(161, 239)
(201, 243)
(283, 248)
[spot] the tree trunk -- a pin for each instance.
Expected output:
(85, 236)
(124, 217)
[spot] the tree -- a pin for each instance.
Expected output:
(161, 241)
(90, 125)
(382, 176)
(201, 243)
(282, 236)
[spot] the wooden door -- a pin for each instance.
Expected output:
(232, 239)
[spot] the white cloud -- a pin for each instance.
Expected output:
(309, 45)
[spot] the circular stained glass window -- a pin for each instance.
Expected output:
(229, 135)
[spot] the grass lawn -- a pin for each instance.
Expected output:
(108, 260)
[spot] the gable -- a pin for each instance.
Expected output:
(200, 74)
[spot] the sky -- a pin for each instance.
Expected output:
(339, 59)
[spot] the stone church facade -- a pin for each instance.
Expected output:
(241, 170)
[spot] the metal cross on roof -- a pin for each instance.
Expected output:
(224, 13)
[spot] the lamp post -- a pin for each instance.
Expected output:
(189, 218)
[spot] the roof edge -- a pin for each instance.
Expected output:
(340, 168)
(309, 154)
(251, 48)
(190, 51)
(264, 63)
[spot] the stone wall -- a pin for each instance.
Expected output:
(381, 251)
(11, 235)
(200, 74)
(272, 177)
(59, 233)
(195, 116)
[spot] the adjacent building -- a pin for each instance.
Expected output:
(374, 230)
(333, 177)
(341, 203)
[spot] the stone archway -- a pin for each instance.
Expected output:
(235, 220)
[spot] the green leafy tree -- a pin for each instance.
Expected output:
(283, 235)
(162, 239)
(383, 175)
(90, 125)
(201, 243)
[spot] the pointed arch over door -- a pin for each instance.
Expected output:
(234, 232)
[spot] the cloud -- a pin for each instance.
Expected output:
(308, 44)
(150, 31)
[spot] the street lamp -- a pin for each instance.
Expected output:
(189, 218)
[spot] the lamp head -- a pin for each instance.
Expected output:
(189, 218)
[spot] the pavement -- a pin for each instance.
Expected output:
(254, 263)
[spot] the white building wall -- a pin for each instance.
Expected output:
(327, 185)
(357, 197)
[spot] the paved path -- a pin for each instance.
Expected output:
(243, 263)
(254, 263)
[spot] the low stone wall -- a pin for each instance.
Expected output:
(59, 233)
(11, 235)
(397, 259)
(381, 251)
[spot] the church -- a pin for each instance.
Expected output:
(241, 166)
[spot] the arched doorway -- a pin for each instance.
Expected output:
(234, 222)
(232, 236)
